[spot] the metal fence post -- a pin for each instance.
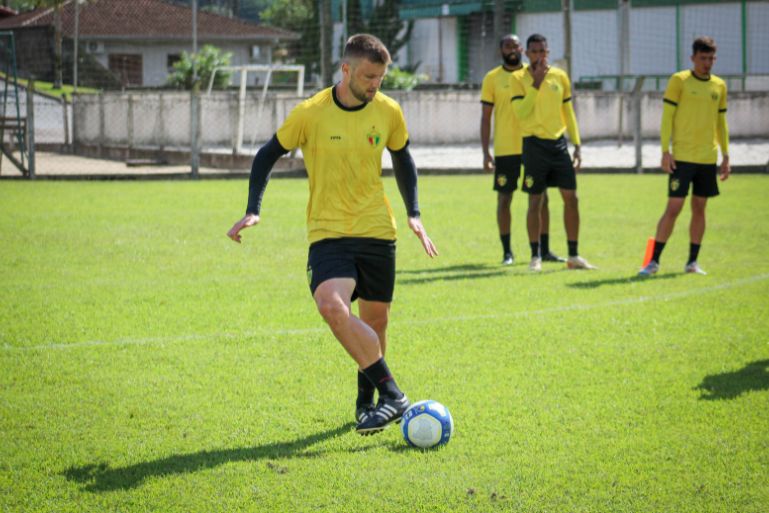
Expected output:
(194, 131)
(637, 125)
(31, 129)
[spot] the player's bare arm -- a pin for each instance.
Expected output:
(488, 160)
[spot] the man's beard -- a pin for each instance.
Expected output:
(359, 94)
(513, 59)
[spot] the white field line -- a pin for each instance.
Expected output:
(458, 318)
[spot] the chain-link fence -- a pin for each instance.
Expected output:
(113, 78)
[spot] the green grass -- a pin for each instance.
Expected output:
(147, 363)
(48, 89)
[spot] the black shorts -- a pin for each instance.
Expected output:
(370, 262)
(703, 178)
(547, 163)
(506, 173)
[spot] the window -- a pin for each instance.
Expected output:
(127, 68)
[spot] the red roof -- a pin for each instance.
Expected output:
(144, 19)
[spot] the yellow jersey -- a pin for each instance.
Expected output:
(342, 149)
(546, 112)
(495, 91)
(698, 118)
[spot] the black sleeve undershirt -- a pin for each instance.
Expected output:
(405, 172)
(265, 158)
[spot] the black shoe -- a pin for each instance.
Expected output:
(363, 412)
(387, 411)
(551, 257)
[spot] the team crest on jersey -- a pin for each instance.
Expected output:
(714, 96)
(529, 181)
(501, 180)
(674, 184)
(374, 137)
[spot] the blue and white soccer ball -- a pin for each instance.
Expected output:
(427, 424)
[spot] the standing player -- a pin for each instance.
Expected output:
(342, 131)
(542, 103)
(694, 114)
(506, 163)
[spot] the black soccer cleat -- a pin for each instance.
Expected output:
(387, 411)
(363, 412)
(551, 257)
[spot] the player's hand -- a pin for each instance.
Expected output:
(577, 160)
(248, 220)
(416, 226)
(538, 71)
(726, 169)
(668, 163)
(488, 163)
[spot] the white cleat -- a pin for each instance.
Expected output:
(535, 265)
(694, 268)
(508, 259)
(577, 262)
(651, 268)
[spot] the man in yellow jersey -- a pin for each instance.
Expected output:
(342, 131)
(506, 163)
(694, 114)
(542, 103)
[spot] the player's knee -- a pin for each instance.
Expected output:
(333, 310)
(378, 324)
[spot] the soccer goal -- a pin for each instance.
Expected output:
(244, 70)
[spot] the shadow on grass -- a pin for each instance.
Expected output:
(621, 281)
(450, 273)
(729, 385)
(101, 478)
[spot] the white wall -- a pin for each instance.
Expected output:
(434, 43)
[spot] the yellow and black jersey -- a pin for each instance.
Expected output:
(694, 114)
(546, 112)
(342, 150)
(496, 91)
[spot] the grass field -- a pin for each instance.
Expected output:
(148, 363)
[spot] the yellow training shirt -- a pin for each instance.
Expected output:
(546, 112)
(495, 90)
(342, 151)
(694, 113)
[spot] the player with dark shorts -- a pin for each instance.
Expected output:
(694, 118)
(506, 163)
(370, 262)
(542, 103)
(507, 170)
(343, 131)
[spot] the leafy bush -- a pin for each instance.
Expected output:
(208, 58)
(397, 78)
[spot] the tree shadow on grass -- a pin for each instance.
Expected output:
(729, 385)
(593, 284)
(99, 477)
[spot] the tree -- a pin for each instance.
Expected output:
(204, 62)
(299, 16)
(384, 23)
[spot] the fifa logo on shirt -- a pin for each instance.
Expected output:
(374, 137)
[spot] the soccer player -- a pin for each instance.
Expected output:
(542, 103)
(694, 115)
(342, 131)
(506, 163)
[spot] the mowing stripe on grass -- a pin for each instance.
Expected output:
(298, 331)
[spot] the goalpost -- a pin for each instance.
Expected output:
(256, 68)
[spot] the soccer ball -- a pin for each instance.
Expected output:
(427, 424)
